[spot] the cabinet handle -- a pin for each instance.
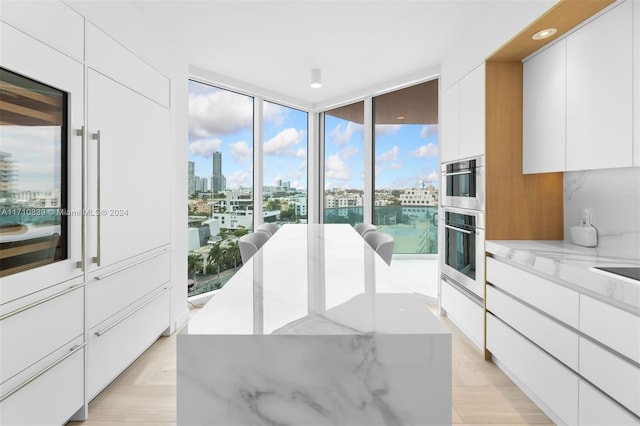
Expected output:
(124, 318)
(80, 132)
(72, 351)
(124, 268)
(459, 173)
(97, 137)
(40, 302)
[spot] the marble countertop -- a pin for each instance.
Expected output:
(315, 280)
(572, 266)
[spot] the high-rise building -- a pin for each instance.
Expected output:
(218, 181)
(7, 175)
(192, 181)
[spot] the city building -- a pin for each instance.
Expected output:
(8, 175)
(218, 180)
(191, 176)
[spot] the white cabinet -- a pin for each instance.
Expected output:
(544, 111)
(636, 83)
(546, 380)
(596, 409)
(116, 342)
(463, 117)
(450, 130)
(599, 92)
(463, 311)
(578, 98)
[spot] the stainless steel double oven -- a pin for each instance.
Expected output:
(462, 225)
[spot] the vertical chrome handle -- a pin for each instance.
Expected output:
(80, 264)
(96, 137)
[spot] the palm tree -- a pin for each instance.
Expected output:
(193, 263)
(215, 256)
(233, 251)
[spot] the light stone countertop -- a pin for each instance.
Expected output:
(572, 266)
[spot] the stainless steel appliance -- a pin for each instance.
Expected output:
(462, 259)
(463, 184)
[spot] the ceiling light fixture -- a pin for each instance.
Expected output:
(316, 80)
(400, 117)
(546, 33)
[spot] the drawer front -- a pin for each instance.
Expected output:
(550, 335)
(550, 381)
(27, 338)
(50, 399)
(116, 343)
(463, 312)
(598, 319)
(113, 289)
(610, 373)
(596, 409)
(554, 299)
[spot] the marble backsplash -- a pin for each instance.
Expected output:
(614, 197)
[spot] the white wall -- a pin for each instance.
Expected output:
(122, 21)
(614, 197)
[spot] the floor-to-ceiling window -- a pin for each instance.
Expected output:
(220, 197)
(343, 198)
(406, 167)
(284, 164)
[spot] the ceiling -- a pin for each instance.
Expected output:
(358, 45)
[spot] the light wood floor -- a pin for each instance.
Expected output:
(145, 393)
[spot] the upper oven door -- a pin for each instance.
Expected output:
(463, 184)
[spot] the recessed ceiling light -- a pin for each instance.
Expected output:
(541, 35)
(400, 117)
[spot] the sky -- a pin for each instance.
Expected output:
(406, 156)
(220, 120)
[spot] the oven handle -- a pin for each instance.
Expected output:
(467, 172)
(459, 229)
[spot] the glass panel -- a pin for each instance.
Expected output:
(407, 167)
(220, 183)
(344, 164)
(284, 163)
(33, 161)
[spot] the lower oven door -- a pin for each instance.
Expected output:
(463, 257)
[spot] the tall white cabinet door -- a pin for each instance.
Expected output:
(450, 124)
(472, 113)
(128, 178)
(599, 94)
(636, 83)
(544, 111)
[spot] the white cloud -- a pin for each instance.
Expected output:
(429, 130)
(274, 113)
(433, 177)
(240, 151)
(218, 112)
(283, 142)
(425, 151)
(301, 153)
(391, 155)
(348, 152)
(387, 129)
(341, 134)
(204, 148)
(239, 178)
(336, 168)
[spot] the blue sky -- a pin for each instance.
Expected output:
(220, 120)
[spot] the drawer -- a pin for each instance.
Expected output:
(558, 340)
(598, 319)
(116, 343)
(551, 298)
(547, 379)
(111, 290)
(55, 394)
(612, 374)
(596, 409)
(31, 332)
(463, 312)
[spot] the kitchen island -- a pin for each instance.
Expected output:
(315, 330)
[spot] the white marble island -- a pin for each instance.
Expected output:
(314, 330)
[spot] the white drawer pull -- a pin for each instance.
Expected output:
(101, 332)
(124, 268)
